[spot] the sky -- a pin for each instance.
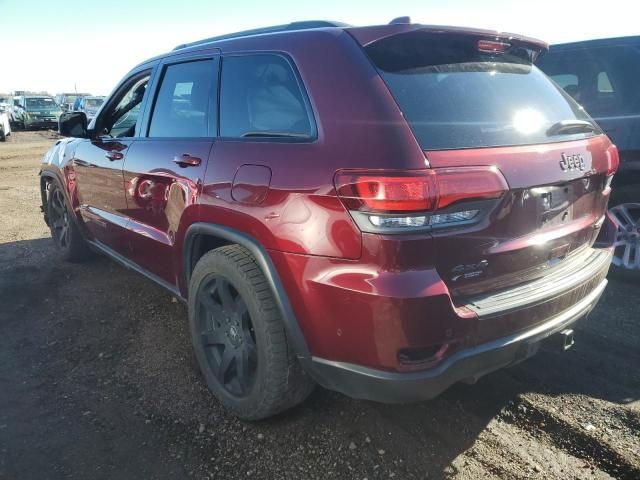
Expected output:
(89, 45)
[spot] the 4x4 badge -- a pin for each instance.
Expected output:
(572, 162)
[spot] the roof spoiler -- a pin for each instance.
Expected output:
(368, 35)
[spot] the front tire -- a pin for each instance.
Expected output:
(625, 210)
(239, 338)
(64, 230)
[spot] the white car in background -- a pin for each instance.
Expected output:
(5, 125)
(6, 103)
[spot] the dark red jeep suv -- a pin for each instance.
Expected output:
(382, 210)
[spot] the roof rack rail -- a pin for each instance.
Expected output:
(304, 25)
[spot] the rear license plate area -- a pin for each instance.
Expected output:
(554, 205)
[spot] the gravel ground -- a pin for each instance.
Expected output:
(97, 381)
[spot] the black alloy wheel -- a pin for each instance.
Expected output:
(64, 229)
(59, 219)
(239, 337)
(227, 335)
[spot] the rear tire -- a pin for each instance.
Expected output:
(64, 230)
(624, 207)
(239, 338)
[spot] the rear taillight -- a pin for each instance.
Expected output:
(472, 183)
(388, 192)
(613, 160)
(432, 198)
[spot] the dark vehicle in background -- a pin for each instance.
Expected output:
(382, 210)
(602, 76)
(37, 111)
(67, 100)
(89, 105)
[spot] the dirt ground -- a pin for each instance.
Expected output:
(96, 381)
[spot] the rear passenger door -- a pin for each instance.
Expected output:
(164, 168)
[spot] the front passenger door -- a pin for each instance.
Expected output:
(98, 166)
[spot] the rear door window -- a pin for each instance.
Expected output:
(260, 97)
(185, 105)
(455, 96)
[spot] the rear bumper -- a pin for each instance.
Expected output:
(465, 365)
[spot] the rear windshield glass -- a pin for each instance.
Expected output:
(455, 96)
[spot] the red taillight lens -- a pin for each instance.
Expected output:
(473, 183)
(416, 191)
(388, 192)
(613, 160)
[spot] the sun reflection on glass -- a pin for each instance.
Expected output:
(528, 121)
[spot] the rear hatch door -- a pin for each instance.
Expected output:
(474, 98)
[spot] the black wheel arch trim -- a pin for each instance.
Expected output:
(292, 327)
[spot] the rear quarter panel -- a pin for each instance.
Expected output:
(359, 126)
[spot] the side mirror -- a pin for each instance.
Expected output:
(73, 124)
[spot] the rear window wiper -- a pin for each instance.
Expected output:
(567, 127)
(275, 134)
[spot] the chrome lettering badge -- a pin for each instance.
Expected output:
(472, 270)
(572, 162)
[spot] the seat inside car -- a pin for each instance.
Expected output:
(272, 101)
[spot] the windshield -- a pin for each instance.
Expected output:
(40, 103)
(93, 102)
(454, 96)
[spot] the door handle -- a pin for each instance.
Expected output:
(113, 155)
(186, 160)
